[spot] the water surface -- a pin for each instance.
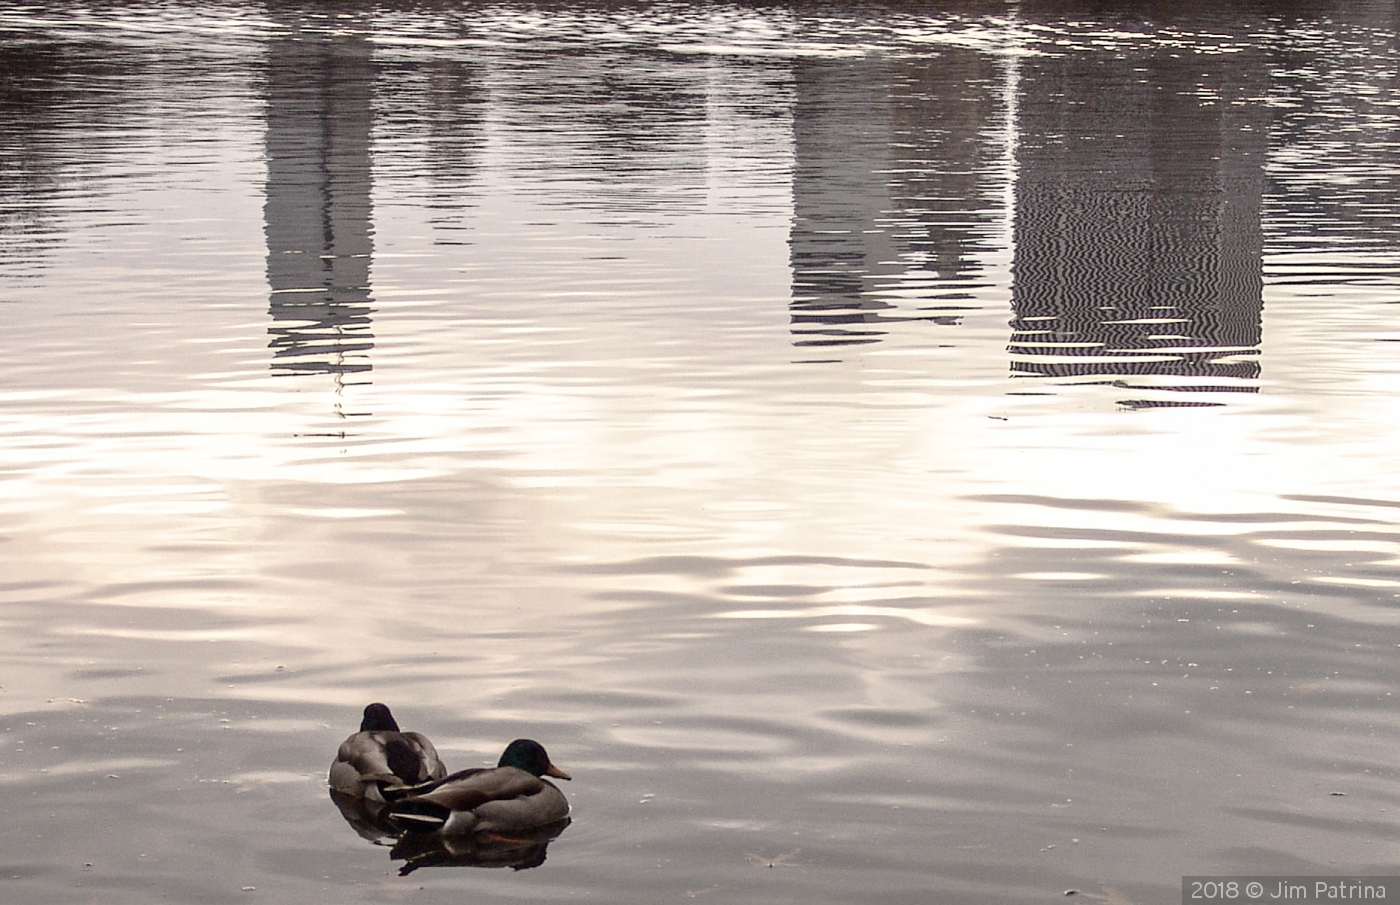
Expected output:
(885, 455)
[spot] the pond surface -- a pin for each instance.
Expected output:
(885, 456)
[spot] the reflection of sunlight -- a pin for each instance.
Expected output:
(241, 634)
(161, 507)
(1074, 543)
(1342, 545)
(1059, 576)
(1357, 582)
(1194, 594)
(249, 781)
(1185, 556)
(344, 512)
(927, 617)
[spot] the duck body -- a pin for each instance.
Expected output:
(511, 797)
(382, 756)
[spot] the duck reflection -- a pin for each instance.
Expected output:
(317, 214)
(523, 850)
(364, 816)
(520, 850)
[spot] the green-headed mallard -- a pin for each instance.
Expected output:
(380, 756)
(511, 797)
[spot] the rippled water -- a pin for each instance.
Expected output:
(885, 455)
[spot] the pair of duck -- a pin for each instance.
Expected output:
(401, 771)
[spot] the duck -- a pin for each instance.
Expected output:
(382, 756)
(510, 798)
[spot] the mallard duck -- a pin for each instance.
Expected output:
(509, 798)
(380, 756)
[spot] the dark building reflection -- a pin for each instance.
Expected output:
(56, 116)
(317, 217)
(431, 124)
(634, 133)
(1335, 168)
(1138, 241)
(889, 191)
(31, 87)
(841, 136)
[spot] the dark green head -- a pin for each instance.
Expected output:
(529, 755)
(378, 719)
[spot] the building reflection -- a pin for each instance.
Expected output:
(1328, 187)
(890, 191)
(1136, 222)
(55, 114)
(628, 138)
(448, 97)
(841, 143)
(317, 215)
(1138, 245)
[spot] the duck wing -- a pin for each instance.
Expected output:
(394, 791)
(361, 759)
(468, 794)
(413, 759)
(384, 758)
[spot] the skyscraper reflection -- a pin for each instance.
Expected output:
(890, 191)
(841, 137)
(317, 215)
(1138, 244)
(1137, 190)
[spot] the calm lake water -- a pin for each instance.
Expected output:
(887, 455)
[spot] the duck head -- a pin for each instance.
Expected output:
(378, 719)
(529, 755)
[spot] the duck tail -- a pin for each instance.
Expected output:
(419, 816)
(391, 788)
